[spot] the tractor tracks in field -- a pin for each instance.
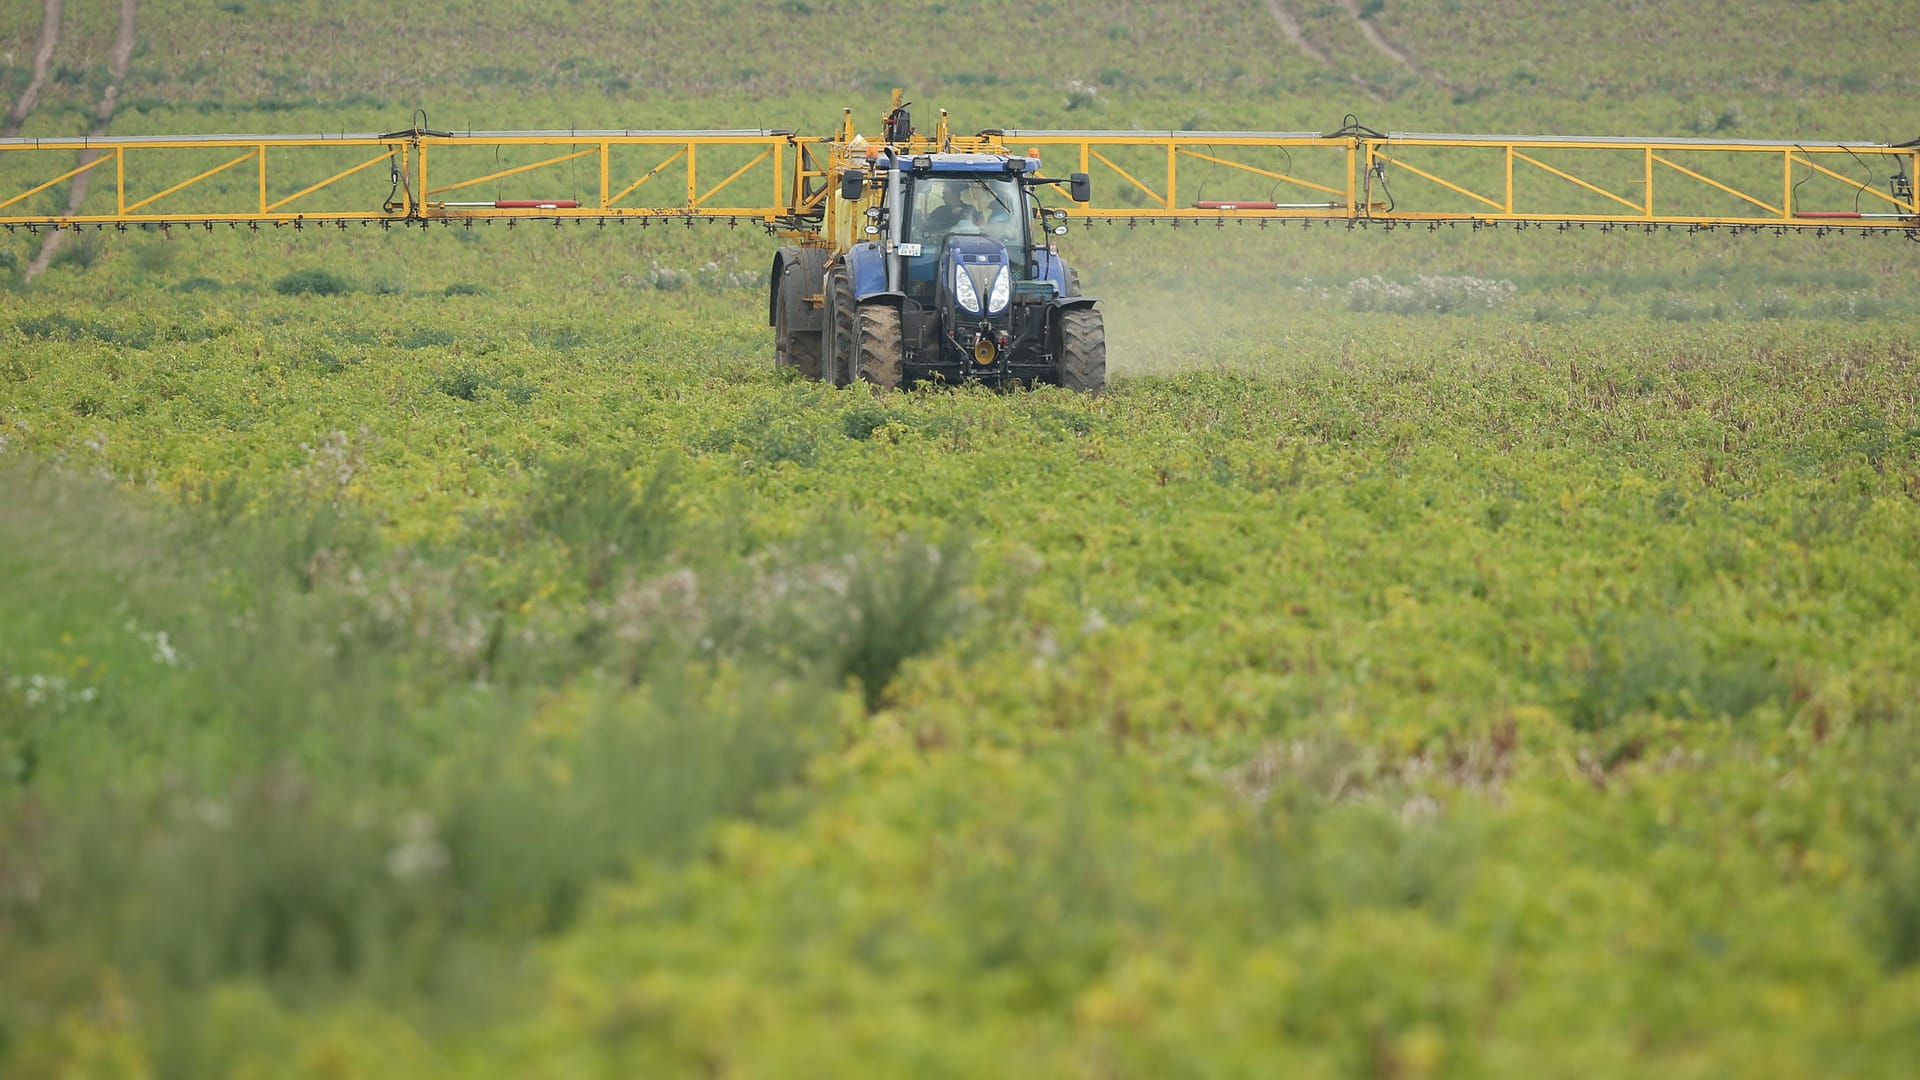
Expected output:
(1387, 49)
(1296, 36)
(118, 61)
(1290, 29)
(42, 59)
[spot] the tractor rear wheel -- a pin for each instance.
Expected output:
(794, 348)
(1083, 350)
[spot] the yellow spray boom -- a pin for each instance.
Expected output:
(780, 178)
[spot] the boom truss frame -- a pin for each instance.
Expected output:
(1531, 179)
(1354, 175)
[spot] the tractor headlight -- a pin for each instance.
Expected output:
(1001, 292)
(963, 289)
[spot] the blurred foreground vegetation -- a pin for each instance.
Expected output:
(1419, 695)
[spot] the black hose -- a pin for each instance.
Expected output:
(1351, 127)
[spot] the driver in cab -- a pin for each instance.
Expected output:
(952, 211)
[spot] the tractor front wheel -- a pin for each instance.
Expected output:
(863, 340)
(1083, 350)
(881, 347)
(842, 327)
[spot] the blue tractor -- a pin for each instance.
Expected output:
(934, 261)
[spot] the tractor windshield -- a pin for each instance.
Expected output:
(944, 206)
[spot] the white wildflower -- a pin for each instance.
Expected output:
(1428, 293)
(163, 650)
(419, 852)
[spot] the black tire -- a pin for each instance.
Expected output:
(794, 348)
(1083, 350)
(1073, 281)
(863, 340)
(881, 349)
(843, 328)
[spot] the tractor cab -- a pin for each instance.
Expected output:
(979, 212)
(975, 200)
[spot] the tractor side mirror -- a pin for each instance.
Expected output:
(1080, 186)
(852, 183)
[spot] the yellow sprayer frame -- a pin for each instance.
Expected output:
(1666, 190)
(785, 168)
(1355, 175)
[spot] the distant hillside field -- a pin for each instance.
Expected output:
(1780, 68)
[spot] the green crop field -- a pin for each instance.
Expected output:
(1439, 654)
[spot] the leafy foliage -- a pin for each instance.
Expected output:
(312, 282)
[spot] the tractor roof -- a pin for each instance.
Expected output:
(969, 164)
